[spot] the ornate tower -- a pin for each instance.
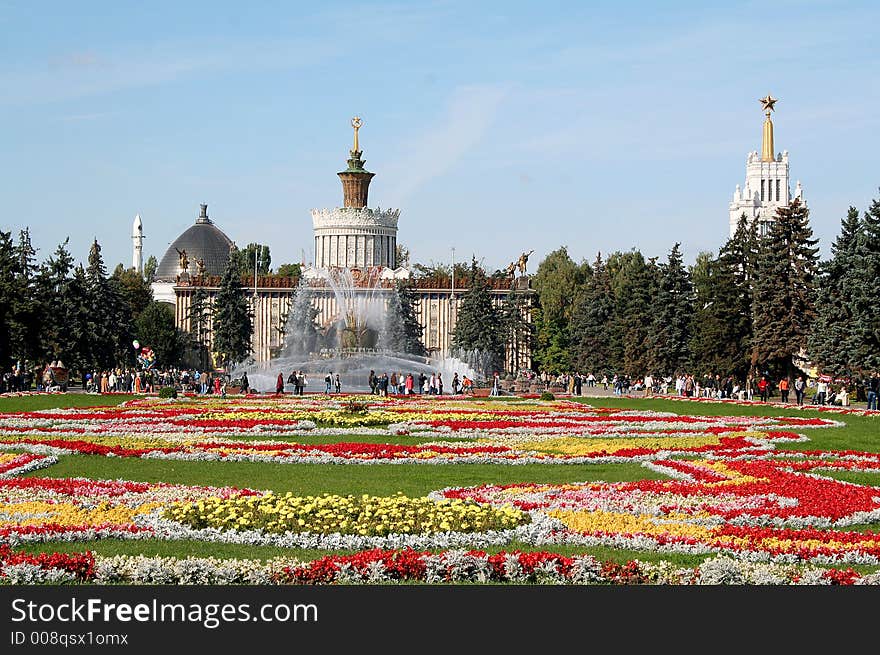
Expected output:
(767, 184)
(354, 236)
(355, 179)
(137, 236)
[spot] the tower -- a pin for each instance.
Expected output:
(137, 236)
(767, 185)
(355, 236)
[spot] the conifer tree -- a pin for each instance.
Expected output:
(595, 346)
(518, 331)
(106, 334)
(831, 344)
(150, 267)
(669, 330)
(54, 296)
(783, 307)
(864, 331)
(634, 281)
(154, 327)
(478, 327)
(25, 318)
(8, 266)
(233, 324)
(199, 316)
(402, 331)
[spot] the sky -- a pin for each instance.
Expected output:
(495, 127)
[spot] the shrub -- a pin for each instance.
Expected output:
(167, 392)
(547, 396)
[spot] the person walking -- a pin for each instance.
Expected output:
(799, 388)
(873, 390)
(279, 384)
(328, 382)
(439, 384)
(821, 392)
(409, 384)
(245, 384)
(783, 389)
(337, 383)
(763, 387)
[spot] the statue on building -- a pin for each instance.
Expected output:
(200, 263)
(523, 260)
(511, 269)
(184, 260)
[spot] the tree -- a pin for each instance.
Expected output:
(290, 270)
(594, 342)
(55, 298)
(517, 330)
(401, 255)
(199, 316)
(831, 344)
(25, 311)
(783, 306)
(670, 326)
(558, 282)
(135, 292)
(402, 331)
(8, 267)
(864, 308)
(245, 260)
(233, 324)
(150, 267)
(155, 328)
(634, 281)
(106, 334)
(478, 325)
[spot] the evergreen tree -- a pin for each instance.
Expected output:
(233, 324)
(25, 315)
(246, 256)
(831, 344)
(518, 331)
(53, 296)
(106, 333)
(8, 267)
(478, 327)
(671, 311)
(864, 331)
(199, 316)
(154, 327)
(77, 315)
(134, 290)
(595, 346)
(634, 281)
(402, 331)
(783, 308)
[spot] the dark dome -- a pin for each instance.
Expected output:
(204, 240)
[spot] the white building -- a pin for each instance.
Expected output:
(767, 185)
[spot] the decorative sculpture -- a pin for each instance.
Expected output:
(200, 262)
(523, 260)
(183, 259)
(511, 269)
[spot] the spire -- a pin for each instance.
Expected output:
(355, 179)
(767, 150)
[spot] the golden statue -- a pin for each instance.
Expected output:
(511, 268)
(356, 123)
(523, 260)
(183, 259)
(767, 146)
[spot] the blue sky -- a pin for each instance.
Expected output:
(494, 127)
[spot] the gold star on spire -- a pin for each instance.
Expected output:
(767, 103)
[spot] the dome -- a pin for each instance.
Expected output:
(204, 240)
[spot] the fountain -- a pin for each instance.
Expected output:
(353, 342)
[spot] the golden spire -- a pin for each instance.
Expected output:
(767, 150)
(356, 123)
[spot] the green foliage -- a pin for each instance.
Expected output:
(559, 282)
(595, 346)
(109, 324)
(155, 328)
(546, 395)
(245, 257)
(861, 294)
(290, 270)
(402, 331)
(635, 283)
(134, 290)
(478, 326)
(233, 324)
(150, 267)
(167, 392)
(669, 329)
(783, 306)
